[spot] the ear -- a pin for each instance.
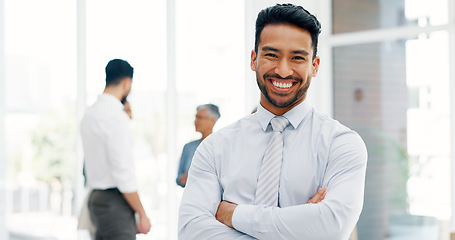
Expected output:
(126, 82)
(253, 60)
(315, 67)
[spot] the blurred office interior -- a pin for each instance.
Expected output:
(387, 71)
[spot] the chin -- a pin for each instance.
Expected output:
(282, 103)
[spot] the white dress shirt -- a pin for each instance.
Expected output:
(318, 151)
(106, 138)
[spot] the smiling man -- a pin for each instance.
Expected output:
(287, 171)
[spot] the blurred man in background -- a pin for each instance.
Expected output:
(206, 117)
(109, 163)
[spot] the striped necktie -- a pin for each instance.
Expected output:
(269, 177)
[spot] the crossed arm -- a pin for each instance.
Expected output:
(204, 214)
(226, 209)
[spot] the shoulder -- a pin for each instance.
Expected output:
(239, 127)
(329, 125)
(193, 144)
(106, 116)
(231, 134)
(335, 134)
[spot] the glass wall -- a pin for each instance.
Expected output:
(44, 171)
(395, 93)
(210, 60)
(40, 117)
(358, 15)
(136, 32)
(210, 63)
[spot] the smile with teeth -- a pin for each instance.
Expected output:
(281, 85)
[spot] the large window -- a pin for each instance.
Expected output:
(355, 15)
(136, 32)
(395, 93)
(209, 66)
(44, 178)
(40, 116)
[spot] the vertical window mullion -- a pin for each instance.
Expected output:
(451, 8)
(81, 91)
(3, 233)
(171, 109)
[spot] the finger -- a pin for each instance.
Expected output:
(316, 196)
(319, 196)
(322, 197)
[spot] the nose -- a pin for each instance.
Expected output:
(284, 69)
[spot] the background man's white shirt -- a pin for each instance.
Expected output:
(107, 146)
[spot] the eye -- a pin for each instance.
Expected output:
(300, 58)
(271, 55)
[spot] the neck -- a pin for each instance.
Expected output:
(114, 91)
(204, 135)
(278, 111)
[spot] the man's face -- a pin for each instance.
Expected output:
(284, 65)
(203, 122)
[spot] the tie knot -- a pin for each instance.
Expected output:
(279, 123)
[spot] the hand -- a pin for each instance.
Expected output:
(183, 178)
(319, 196)
(225, 212)
(144, 225)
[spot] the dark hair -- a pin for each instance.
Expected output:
(213, 110)
(116, 70)
(290, 14)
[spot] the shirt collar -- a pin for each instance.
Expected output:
(111, 99)
(295, 115)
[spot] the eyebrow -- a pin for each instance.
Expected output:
(303, 52)
(270, 49)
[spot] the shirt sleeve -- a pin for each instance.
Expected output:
(201, 199)
(120, 155)
(182, 164)
(332, 219)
